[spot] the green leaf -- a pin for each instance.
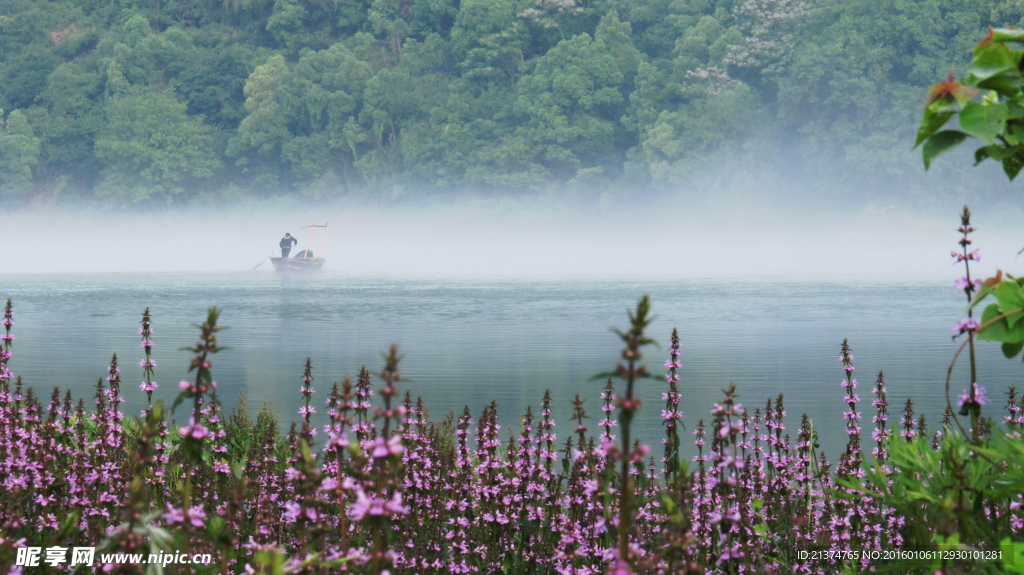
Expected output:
(177, 401)
(931, 123)
(1012, 165)
(981, 154)
(1007, 35)
(984, 122)
(997, 152)
(1013, 555)
(940, 143)
(1014, 111)
(999, 330)
(1007, 84)
(990, 60)
(1010, 350)
(762, 530)
(1011, 298)
(994, 331)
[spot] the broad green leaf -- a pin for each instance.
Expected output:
(995, 331)
(1011, 298)
(1007, 35)
(1007, 84)
(990, 60)
(177, 401)
(981, 154)
(984, 122)
(1013, 555)
(1014, 111)
(999, 330)
(1012, 165)
(996, 152)
(940, 143)
(931, 123)
(762, 530)
(1010, 350)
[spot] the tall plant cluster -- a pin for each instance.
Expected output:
(381, 488)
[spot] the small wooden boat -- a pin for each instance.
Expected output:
(297, 264)
(304, 260)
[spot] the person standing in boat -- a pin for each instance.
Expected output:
(286, 244)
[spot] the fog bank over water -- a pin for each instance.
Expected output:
(521, 238)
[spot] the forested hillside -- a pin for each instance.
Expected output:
(164, 101)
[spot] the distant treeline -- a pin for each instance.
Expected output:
(159, 101)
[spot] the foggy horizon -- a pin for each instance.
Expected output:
(523, 238)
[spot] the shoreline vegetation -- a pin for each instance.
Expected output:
(158, 102)
(382, 489)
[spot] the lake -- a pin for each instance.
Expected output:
(466, 342)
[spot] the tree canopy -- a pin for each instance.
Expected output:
(151, 102)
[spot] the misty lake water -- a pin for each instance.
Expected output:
(470, 342)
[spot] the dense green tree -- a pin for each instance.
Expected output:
(19, 152)
(286, 23)
(392, 19)
(571, 103)
(301, 118)
(434, 17)
(158, 101)
(152, 149)
(70, 114)
(853, 86)
(489, 40)
(27, 55)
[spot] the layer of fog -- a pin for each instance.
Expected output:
(527, 237)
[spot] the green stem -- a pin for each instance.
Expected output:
(627, 488)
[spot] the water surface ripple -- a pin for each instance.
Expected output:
(466, 343)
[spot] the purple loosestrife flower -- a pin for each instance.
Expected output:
(147, 364)
(383, 448)
(5, 349)
(608, 423)
(671, 415)
(196, 516)
(376, 506)
(337, 440)
(852, 416)
(292, 512)
(1015, 419)
(193, 430)
(974, 395)
(619, 567)
(908, 421)
(962, 283)
(972, 256)
(881, 432)
(307, 410)
(968, 326)
(194, 433)
(629, 406)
